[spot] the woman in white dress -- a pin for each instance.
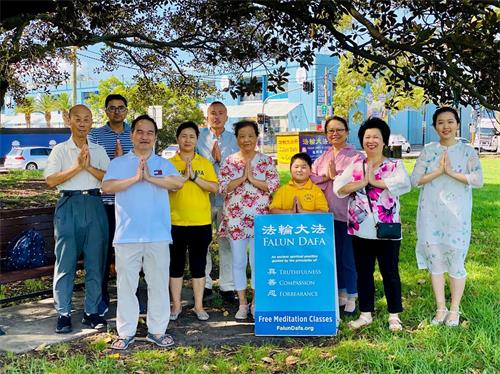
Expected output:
(446, 171)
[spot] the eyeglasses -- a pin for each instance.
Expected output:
(116, 109)
(333, 131)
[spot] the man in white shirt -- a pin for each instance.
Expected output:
(76, 168)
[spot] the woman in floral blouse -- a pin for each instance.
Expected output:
(384, 179)
(247, 180)
(447, 171)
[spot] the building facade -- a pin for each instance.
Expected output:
(295, 110)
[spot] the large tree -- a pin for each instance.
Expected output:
(450, 48)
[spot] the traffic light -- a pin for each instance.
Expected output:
(308, 86)
(263, 119)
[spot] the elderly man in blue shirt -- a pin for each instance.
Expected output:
(215, 143)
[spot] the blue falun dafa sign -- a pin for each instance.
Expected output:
(295, 275)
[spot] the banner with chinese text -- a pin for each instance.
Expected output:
(314, 144)
(295, 275)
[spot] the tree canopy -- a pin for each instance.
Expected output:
(449, 48)
(351, 86)
(177, 106)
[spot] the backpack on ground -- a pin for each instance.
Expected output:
(26, 251)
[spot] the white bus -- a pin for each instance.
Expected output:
(487, 135)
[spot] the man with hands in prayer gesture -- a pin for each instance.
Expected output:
(76, 167)
(140, 181)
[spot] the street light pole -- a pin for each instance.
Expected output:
(73, 75)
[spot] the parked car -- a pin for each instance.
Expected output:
(30, 158)
(398, 139)
(170, 151)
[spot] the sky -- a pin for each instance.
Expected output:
(89, 61)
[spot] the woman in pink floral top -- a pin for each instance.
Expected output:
(247, 180)
(384, 180)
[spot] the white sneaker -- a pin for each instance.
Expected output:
(242, 312)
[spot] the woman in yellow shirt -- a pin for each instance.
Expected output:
(191, 219)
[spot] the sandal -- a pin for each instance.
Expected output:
(453, 322)
(163, 341)
(363, 320)
(350, 306)
(175, 315)
(122, 344)
(439, 321)
(242, 312)
(395, 324)
(202, 316)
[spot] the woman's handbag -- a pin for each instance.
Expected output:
(384, 230)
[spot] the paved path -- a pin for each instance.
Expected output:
(28, 326)
(31, 325)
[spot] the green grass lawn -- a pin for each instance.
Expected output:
(470, 348)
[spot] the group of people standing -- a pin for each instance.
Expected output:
(159, 210)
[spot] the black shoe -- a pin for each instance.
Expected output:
(64, 325)
(103, 308)
(94, 320)
(229, 296)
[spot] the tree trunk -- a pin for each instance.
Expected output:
(27, 118)
(65, 116)
(4, 84)
(48, 116)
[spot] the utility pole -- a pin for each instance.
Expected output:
(325, 85)
(73, 75)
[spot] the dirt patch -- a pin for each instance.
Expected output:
(34, 193)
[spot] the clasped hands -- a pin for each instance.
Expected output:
(216, 152)
(297, 208)
(369, 174)
(83, 159)
(142, 171)
(445, 165)
(189, 173)
(248, 173)
(331, 171)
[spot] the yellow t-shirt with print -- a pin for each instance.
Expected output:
(190, 206)
(310, 197)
